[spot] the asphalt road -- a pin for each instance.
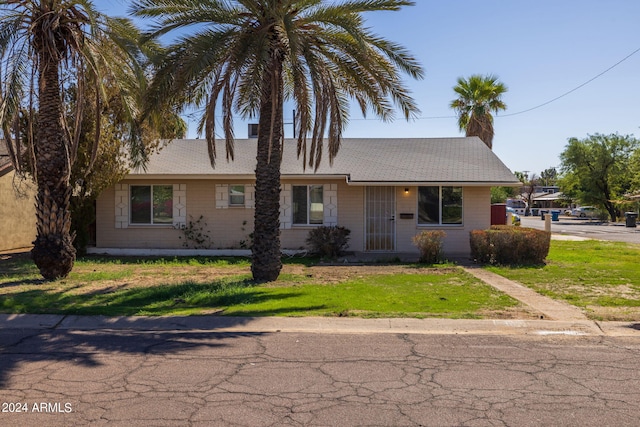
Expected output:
(586, 228)
(52, 377)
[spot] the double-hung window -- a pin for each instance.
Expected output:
(151, 204)
(439, 205)
(236, 195)
(308, 205)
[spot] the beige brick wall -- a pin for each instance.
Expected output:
(18, 213)
(227, 226)
(476, 215)
(224, 226)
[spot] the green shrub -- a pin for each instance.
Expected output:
(328, 241)
(504, 244)
(430, 245)
(195, 234)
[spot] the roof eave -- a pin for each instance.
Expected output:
(444, 183)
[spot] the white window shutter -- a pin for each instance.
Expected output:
(122, 206)
(179, 205)
(222, 196)
(249, 196)
(330, 202)
(285, 207)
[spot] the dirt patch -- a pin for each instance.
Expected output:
(618, 314)
(328, 274)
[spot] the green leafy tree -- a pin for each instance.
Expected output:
(548, 177)
(478, 97)
(246, 57)
(528, 189)
(635, 174)
(47, 46)
(597, 170)
(501, 194)
(40, 41)
(102, 165)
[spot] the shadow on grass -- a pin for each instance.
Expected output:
(155, 300)
(17, 264)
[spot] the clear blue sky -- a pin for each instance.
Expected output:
(540, 49)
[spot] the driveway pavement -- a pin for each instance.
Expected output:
(590, 229)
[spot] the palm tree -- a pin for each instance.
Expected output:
(53, 44)
(254, 54)
(478, 97)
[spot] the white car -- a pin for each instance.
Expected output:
(585, 212)
(515, 218)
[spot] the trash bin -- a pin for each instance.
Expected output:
(555, 215)
(542, 213)
(631, 219)
(534, 211)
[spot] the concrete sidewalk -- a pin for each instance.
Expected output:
(331, 325)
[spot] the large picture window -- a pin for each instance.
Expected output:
(151, 204)
(308, 206)
(439, 205)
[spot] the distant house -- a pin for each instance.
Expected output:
(550, 200)
(384, 190)
(17, 207)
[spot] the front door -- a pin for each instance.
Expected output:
(380, 219)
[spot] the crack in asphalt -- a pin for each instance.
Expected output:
(294, 379)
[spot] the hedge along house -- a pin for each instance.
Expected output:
(384, 190)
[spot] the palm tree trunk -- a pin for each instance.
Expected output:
(266, 257)
(53, 250)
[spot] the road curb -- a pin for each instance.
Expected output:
(227, 324)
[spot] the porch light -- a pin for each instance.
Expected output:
(406, 190)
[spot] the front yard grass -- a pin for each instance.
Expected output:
(197, 286)
(603, 278)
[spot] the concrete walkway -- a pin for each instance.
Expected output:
(551, 309)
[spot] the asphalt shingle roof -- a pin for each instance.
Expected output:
(363, 160)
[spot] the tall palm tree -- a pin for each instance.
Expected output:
(51, 44)
(254, 54)
(478, 97)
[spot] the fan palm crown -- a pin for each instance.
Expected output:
(478, 97)
(246, 57)
(46, 45)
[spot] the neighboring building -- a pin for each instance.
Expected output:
(384, 190)
(17, 207)
(550, 200)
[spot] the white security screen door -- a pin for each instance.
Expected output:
(380, 216)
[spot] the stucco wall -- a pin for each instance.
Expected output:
(228, 226)
(476, 215)
(18, 213)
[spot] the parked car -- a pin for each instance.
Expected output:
(586, 212)
(515, 218)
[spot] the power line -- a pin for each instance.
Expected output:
(575, 88)
(544, 103)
